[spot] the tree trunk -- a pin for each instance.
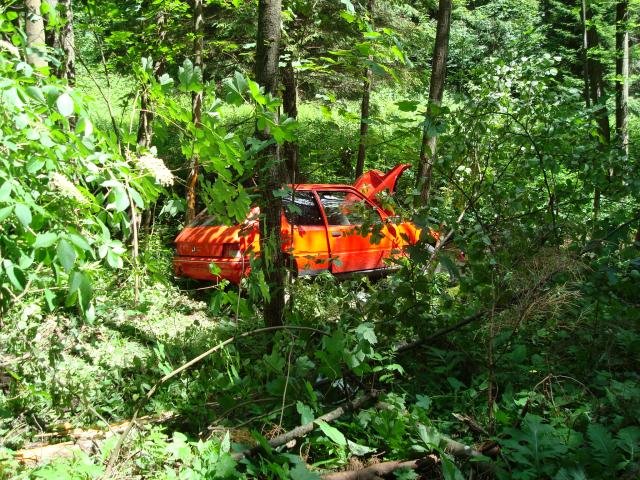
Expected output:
(622, 76)
(67, 41)
(198, 46)
(52, 39)
(597, 94)
(290, 108)
(145, 126)
(270, 171)
(35, 34)
(585, 48)
(364, 107)
(436, 90)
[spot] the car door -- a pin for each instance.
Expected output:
(304, 233)
(358, 238)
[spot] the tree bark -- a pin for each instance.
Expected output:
(198, 46)
(597, 94)
(270, 171)
(67, 41)
(585, 47)
(622, 76)
(436, 90)
(290, 108)
(145, 126)
(365, 106)
(34, 27)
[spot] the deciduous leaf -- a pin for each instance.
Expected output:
(64, 103)
(45, 240)
(333, 433)
(66, 254)
(23, 213)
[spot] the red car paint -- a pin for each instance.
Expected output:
(323, 233)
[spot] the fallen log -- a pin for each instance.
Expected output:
(378, 470)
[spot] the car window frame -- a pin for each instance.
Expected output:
(351, 190)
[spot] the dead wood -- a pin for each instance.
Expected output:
(83, 440)
(403, 347)
(309, 427)
(377, 470)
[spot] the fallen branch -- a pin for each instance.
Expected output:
(302, 430)
(377, 470)
(403, 347)
(82, 440)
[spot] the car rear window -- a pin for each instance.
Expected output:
(204, 220)
(301, 208)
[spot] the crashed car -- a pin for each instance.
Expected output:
(340, 229)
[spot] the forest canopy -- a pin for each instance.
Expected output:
(498, 338)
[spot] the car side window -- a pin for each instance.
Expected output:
(344, 208)
(301, 208)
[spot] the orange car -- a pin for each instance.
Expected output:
(325, 228)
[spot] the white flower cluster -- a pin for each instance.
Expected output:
(62, 184)
(156, 167)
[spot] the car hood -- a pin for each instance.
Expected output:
(373, 182)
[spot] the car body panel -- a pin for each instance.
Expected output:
(349, 232)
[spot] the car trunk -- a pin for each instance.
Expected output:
(203, 238)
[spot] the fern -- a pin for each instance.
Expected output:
(602, 445)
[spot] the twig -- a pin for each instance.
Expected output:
(286, 384)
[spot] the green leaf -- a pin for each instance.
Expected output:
(300, 472)
(45, 240)
(5, 191)
(359, 450)
(333, 433)
(306, 413)
(35, 93)
(5, 212)
(11, 274)
(24, 214)
(80, 242)
(66, 255)
(429, 436)
(365, 331)
(64, 103)
(449, 469)
(407, 106)
(81, 285)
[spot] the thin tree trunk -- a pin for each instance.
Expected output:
(198, 46)
(145, 126)
(290, 108)
(52, 39)
(598, 98)
(35, 34)
(436, 90)
(270, 172)
(585, 59)
(67, 41)
(365, 107)
(622, 76)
